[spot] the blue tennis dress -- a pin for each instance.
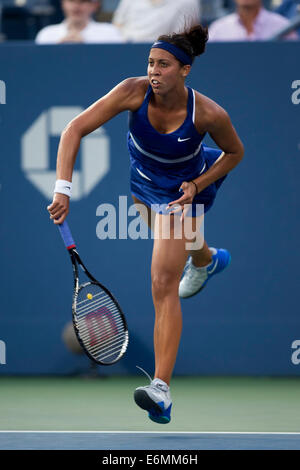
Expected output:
(161, 162)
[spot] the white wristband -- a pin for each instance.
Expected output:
(63, 187)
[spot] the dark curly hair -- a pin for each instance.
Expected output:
(192, 41)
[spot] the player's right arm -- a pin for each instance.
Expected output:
(127, 95)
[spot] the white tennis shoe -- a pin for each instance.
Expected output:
(156, 399)
(194, 279)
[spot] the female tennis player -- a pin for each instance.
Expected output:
(170, 167)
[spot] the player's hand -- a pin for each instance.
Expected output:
(189, 192)
(59, 208)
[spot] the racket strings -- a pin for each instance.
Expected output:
(87, 302)
(109, 350)
(93, 306)
(100, 324)
(106, 344)
(86, 335)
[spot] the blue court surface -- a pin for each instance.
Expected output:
(44, 440)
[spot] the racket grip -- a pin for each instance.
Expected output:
(66, 235)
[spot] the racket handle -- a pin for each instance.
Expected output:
(66, 235)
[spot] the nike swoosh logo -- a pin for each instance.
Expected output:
(183, 140)
(213, 269)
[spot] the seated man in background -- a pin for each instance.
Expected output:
(250, 22)
(79, 26)
(145, 20)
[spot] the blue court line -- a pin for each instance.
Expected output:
(90, 440)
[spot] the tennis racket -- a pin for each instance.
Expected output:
(99, 322)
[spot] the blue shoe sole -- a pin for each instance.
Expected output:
(155, 412)
(159, 419)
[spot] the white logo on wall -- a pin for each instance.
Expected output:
(2, 352)
(36, 153)
(296, 354)
(296, 95)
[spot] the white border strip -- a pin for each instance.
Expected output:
(194, 105)
(155, 432)
(165, 160)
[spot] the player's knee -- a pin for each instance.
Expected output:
(163, 283)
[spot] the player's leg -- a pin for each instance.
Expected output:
(202, 264)
(146, 213)
(168, 259)
(201, 257)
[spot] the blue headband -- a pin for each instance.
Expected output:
(176, 51)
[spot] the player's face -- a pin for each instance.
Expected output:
(79, 10)
(164, 71)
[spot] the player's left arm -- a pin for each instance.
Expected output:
(214, 120)
(221, 130)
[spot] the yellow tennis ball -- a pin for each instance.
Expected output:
(89, 296)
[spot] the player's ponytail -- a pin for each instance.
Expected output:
(197, 36)
(192, 41)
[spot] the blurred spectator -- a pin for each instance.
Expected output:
(58, 14)
(250, 22)
(211, 10)
(79, 26)
(290, 9)
(145, 20)
(22, 19)
(107, 10)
